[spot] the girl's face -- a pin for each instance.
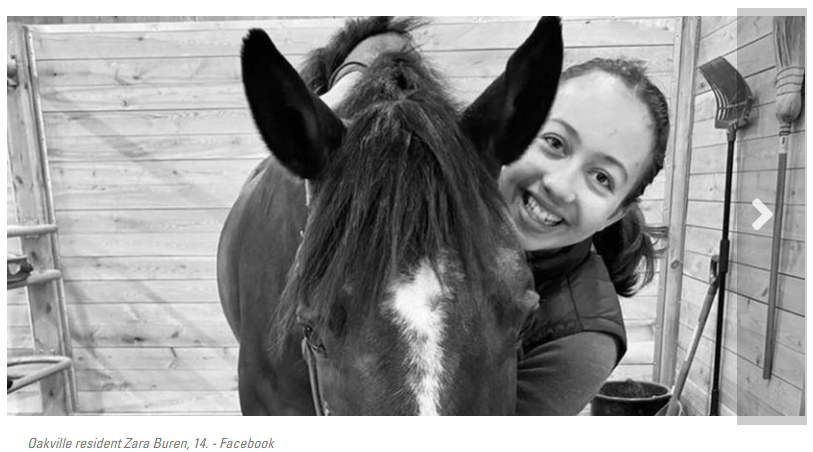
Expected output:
(571, 181)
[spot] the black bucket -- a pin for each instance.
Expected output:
(629, 398)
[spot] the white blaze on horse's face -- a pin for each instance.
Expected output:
(417, 309)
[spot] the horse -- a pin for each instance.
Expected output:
(368, 265)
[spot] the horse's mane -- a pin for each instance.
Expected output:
(405, 184)
(320, 63)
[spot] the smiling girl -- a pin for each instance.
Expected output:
(573, 198)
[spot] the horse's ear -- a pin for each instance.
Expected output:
(294, 123)
(506, 117)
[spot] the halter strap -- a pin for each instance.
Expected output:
(310, 360)
(346, 68)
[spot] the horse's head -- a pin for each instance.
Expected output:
(409, 285)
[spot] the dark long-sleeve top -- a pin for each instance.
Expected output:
(575, 339)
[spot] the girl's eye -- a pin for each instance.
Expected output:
(604, 180)
(555, 144)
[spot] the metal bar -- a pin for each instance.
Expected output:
(56, 364)
(14, 230)
(35, 278)
(65, 344)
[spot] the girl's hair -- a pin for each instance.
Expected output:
(627, 243)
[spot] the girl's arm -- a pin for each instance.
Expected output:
(559, 378)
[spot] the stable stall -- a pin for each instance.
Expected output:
(137, 139)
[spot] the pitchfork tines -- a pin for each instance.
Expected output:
(733, 95)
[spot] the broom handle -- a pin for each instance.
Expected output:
(673, 408)
(779, 207)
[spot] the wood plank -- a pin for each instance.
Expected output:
(17, 316)
(218, 23)
(179, 381)
(297, 41)
(710, 24)
(207, 335)
(138, 268)
(16, 297)
(709, 214)
(189, 221)
(776, 392)
(206, 96)
(135, 197)
(147, 315)
(145, 97)
(143, 358)
(165, 122)
(736, 34)
(746, 316)
(112, 245)
(169, 172)
(752, 282)
(677, 163)
(749, 249)
(209, 96)
(156, 147)
(142, 291)
(747, 186)
(159, 402)
(19, 337)
(750, 155)
(55, 74)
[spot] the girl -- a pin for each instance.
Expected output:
(573, 197)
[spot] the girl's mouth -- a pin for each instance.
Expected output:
(537, 213)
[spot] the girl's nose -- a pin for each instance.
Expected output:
(560, 184)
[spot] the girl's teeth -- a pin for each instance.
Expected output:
(538, 213)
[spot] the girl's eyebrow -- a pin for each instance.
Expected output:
(568, 128)
(574, 135)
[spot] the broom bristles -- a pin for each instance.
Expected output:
(789, 37)
(789, 43)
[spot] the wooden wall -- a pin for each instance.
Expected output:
(747, 43)
(149, 139)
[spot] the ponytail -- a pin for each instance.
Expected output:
(625, 245)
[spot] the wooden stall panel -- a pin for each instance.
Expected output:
(150, 140)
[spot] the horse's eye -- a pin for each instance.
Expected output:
(313, 339)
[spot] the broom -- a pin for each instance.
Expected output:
(789, 42)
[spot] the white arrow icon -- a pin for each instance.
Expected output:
(765, 214)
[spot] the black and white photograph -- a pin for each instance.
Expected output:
(395, 216)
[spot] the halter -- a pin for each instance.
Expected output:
(320, 407)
